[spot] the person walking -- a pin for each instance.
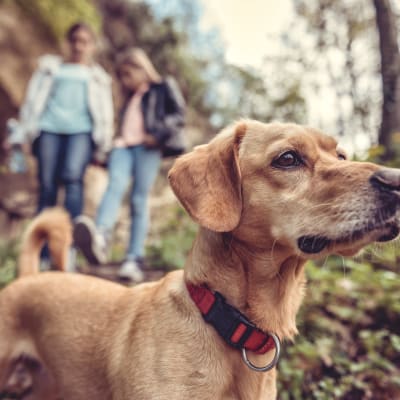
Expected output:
(150, 127)
(67, 116)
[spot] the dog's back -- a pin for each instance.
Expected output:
(20, 365)
(52, 226)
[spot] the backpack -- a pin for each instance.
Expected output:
(164, 116)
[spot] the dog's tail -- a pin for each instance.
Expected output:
(52, 226)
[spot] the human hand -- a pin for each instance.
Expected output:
(99, 159)
(150, 140)
(98, 163)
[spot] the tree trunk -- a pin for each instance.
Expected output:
(390, 71)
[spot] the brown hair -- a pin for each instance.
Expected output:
(136, 57)
(76, 27)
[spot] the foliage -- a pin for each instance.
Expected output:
(57, 16)
(335, 47)
(8, 257)
(269, 99)
(377, 153)
(170, 248)
(349, 342)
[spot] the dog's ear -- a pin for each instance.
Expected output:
(207, 181)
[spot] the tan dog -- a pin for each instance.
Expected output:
(267, 197)
(52, 226)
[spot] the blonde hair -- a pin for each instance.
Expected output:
(136, 57)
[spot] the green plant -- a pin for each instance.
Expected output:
(57, 16)
(169, 248)
(348, 346)
(8, 263)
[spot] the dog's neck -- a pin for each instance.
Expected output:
(265, 285)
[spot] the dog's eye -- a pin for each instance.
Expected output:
(287, 160)
(341, 156)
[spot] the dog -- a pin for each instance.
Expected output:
(53, 226)
(267, 198)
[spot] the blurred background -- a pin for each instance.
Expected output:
(332, 64)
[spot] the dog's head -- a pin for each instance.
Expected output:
(287, 186)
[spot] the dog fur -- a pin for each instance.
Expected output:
(81, 338)
(52, 226)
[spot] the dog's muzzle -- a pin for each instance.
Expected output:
(386, 184)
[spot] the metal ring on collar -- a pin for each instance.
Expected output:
(269, 366)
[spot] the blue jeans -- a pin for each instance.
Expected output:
(62, 159)
(141, 165)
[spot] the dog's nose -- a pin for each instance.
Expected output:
(386, 179)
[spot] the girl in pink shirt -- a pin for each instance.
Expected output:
(150, 127)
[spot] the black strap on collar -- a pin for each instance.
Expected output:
(230, 323)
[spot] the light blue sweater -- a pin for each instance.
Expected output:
(67, 108)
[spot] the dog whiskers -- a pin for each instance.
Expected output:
(272, 250)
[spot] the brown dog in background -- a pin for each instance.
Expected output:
(267, 198)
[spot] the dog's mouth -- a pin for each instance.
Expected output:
(310, 244)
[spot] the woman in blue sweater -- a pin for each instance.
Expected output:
(67, 116)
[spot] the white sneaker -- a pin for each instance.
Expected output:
(44, 265)
(71, 262)
(89, 241)
(131, 270)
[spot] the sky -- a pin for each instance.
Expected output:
(245, 24)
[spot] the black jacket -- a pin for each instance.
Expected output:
(163, 115)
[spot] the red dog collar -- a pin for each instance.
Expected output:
(230, 323)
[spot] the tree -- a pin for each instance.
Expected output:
(231, 91)
(264, 95)
(340, 58)
(390, 73)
